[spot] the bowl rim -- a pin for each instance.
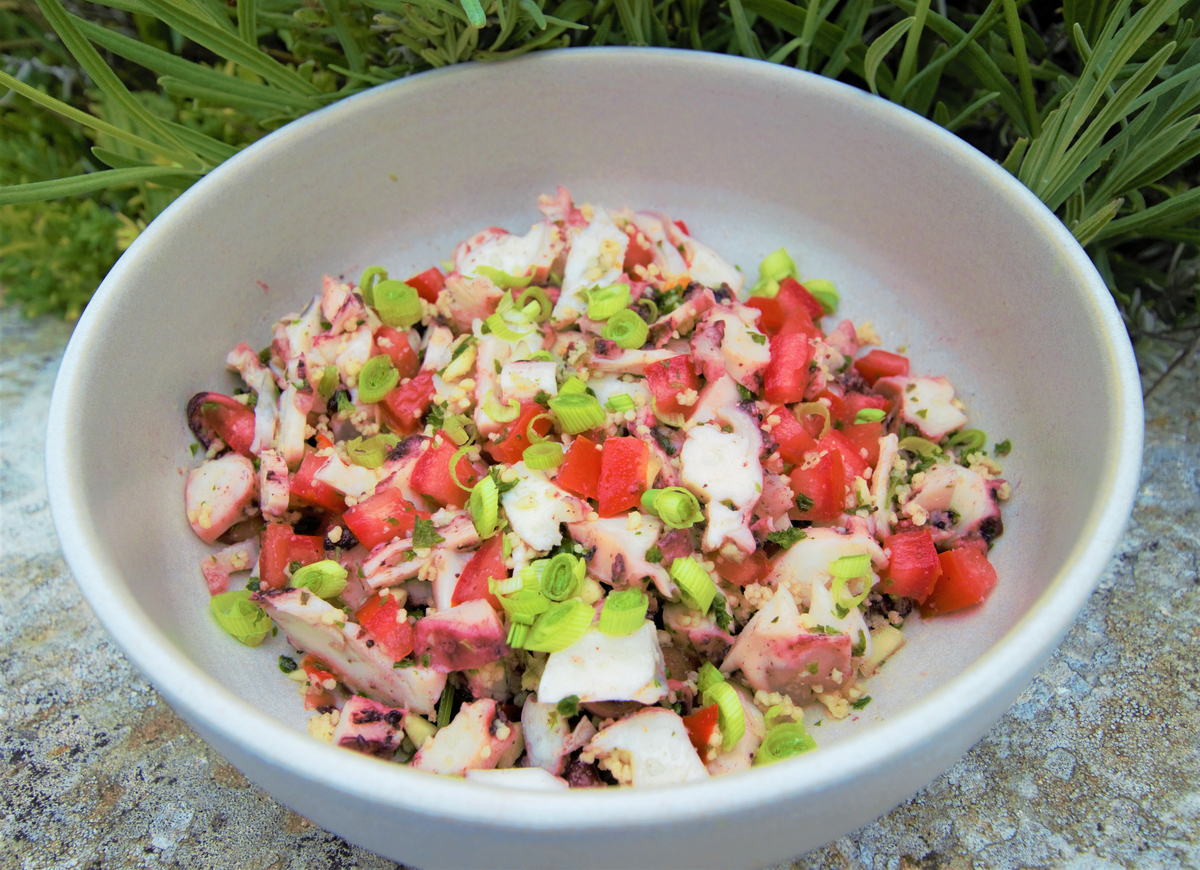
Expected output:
(1009, 662)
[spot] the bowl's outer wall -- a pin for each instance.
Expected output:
(941, 250)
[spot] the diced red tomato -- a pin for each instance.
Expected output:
(428, 284)
(308, 490)
(881, 364)
(382, 517)
(834, 402)
(623, 464)
(316, 669)
(280, 547)
(431, 475)
(797, 322)
(865, 436)
(231, 420)
(511, 448)
(580, 471)
(772, 313)
(913, 568)
(786, 377)
(668, 379)
(316, 695)
(700, 726)
(323, 441)
(853, 461)
(792, 296)
(407, 404)
(967, 578)
(378, 617)
(399, 349)
(488, 562)
(682, 227)
(752, 569)
(636, 253)
(824, 484)
(793, 439)
(852, 403)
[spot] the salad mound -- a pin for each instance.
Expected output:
(583, 509)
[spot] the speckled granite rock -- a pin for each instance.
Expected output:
(1097, 765)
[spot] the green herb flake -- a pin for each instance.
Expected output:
(786, 537)
(861, 702)
(803, 502)
(654, 555)
(1003, 448)
(287, 664)
(425, 536)
(568, 706)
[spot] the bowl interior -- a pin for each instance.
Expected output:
(925, 240)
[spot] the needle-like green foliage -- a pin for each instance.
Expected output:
(1093, 105)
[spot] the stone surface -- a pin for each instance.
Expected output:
(1097, 764)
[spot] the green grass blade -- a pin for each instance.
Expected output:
(1017, 38)
(15, 194)
(1087, 229)
(115, 160)
(85, 119)
(965, 116)
(746, 40)
(247, 17)
(108, 82)
(908, 59)
(207, 147)
(341, 26)
(855, 15)
(881, 46)
(229, 47)
(474, 11)
(982, 25)
(534, 12)
(166, 64)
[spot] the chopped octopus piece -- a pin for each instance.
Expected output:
(964, 493)
(536, 508)
(776, 653)
(258, 377)
(706, 348)
(844, 339)
(397, 470)
(808, 559)
(466, 299)
(294, 406)
(741, 755)
(649, 748)
(464, 637)
(219, 494)
(742, 355)
(448, 566)
(369, 727)
(682, 320)
(776, 501)
(714, 396)
(610, 357)
(476, 739)
(319, 628)
(926, 403)
(519, 256)
(881, 483)
(723, 470)
(352, 480)
(700, 630)
(274, 488)
(595, 258)
(300, 332)
(242, 556)
(600, 667)
(619, 552)
(548, 736)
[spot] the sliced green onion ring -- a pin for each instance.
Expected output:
(572, 385)
(377, 378)
(371, 452)
(525, 605)
(560, 626)
(849, 567)
(696, 588)
(675, 506)
(542, 356)
(506, 586)
(455, 427)
(869, 415)
(731, 718)
(531, 432)
(543, 455)
(674, 420)
(484, 507)
(627, 329)
(921, 446)
(561, 578)
(329, 382)
(518, 632)
(459, 454)
(505, 413)
(620, 403)
(968, 440)
(604, 302)
(502, 279)
(577, 412)
(708, 676)
(785, 740)
(398, 304)
(239, 617)
(623, 613)
(499, 328)
(538, 295)
(773, 269)
(326, 578)
(366, 284)
(824, 292)
(813, 409)
(652, 313)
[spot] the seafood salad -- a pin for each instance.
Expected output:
(583, 507)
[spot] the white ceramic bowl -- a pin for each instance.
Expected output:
(935, 244)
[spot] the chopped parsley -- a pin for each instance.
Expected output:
(542, 398)
(803, 502)
(664, 441)
(720, 614)
(403, 663)
(253, 584)
(436, 416)
(811, 667)
(786, 537)
(861, 702)
(1003, 448)
(425, 536)
(745, 393)
(654, 555)
(861, 647)
(287, 664)
(569, 706)
(758, 338)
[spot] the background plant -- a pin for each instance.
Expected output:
(117, 106)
